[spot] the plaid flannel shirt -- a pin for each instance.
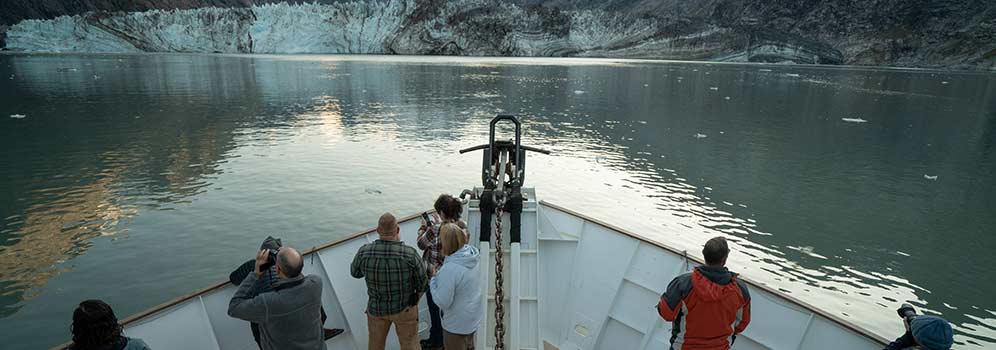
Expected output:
(393, 271)
(432, 248)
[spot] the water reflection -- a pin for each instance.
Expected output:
(213, 151)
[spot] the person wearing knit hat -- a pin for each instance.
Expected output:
(929, 332)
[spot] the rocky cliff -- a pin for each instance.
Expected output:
(920, 33)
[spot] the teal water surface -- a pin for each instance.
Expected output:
(139, 178)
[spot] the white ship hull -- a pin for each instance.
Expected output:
(572, 283)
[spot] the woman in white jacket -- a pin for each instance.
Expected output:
(456, 289)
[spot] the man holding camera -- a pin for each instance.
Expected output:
(289, 316)
(396, 279)
(928, 332)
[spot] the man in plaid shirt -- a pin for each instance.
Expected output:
(396, 278)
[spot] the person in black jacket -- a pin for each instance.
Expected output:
(265, 284)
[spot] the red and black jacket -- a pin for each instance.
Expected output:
(708, 306)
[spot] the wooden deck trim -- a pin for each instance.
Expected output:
(183, 298)
(853, 327)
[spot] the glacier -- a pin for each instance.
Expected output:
(416, 27)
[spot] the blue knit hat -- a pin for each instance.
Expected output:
(932, 332)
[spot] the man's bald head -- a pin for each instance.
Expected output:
(289, 262)
(387, 226)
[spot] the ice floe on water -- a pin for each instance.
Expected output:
(701, 136)
(18, 116)
(930, 177)
(854, 120)
(807, 250)
(578, 92)
(727, 97)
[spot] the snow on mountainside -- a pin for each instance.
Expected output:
(803, 31)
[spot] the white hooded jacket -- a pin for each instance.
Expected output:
(456, 289)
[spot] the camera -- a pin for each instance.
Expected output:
(271, 260)
(907, 313)
(427, 218)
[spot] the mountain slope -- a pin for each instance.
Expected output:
(921, 33)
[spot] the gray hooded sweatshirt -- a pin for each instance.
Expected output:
(289, 317)
(456, 289)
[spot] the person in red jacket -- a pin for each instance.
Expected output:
(708, 306)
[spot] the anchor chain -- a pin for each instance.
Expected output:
(499, 282)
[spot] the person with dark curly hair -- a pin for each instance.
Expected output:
(448, 211)
(95, 327)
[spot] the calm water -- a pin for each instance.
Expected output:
(136, 179)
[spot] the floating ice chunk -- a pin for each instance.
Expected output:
(18, 116)
(646, 85)
(713, 88)
(930, 177)
(807, 250)
(854, 120)
(578, 92)
(727, 97)
(701, 136)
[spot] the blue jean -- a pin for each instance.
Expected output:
(436, 331)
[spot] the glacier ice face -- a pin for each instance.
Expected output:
(457, 27)
(347, 27)
(201, 30)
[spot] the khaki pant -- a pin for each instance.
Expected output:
(405, 325)
(453, 341)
